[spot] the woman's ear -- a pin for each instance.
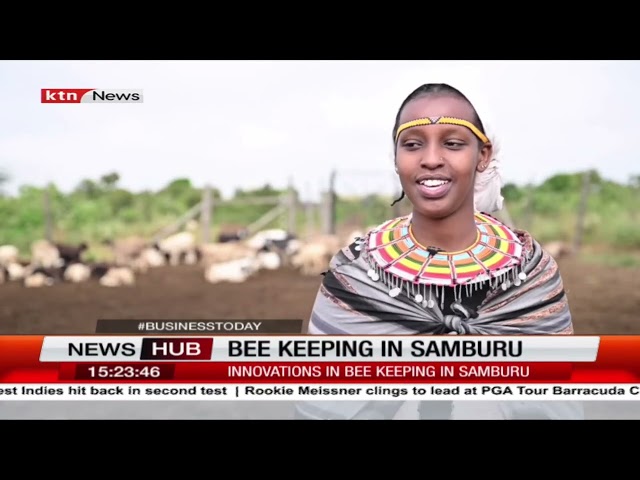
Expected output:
(392, 156)
(484, 157)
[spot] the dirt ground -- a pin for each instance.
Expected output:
(597, 305)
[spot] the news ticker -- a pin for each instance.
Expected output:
(300, 392)
(205, 327)
(320, 359)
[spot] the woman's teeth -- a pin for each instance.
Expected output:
(433, 183)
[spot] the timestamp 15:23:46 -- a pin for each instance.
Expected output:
(140, 371)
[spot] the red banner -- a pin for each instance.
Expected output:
(316, 372)
(618, 361)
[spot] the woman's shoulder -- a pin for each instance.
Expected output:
(356, 241)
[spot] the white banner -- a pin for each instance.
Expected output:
(467, 348)
(329, 392)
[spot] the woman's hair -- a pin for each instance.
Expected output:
(435, 90)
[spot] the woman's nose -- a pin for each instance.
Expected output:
(431, 158)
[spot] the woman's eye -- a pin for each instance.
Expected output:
(411, 144)
(454, 144)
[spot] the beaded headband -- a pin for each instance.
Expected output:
(443, 121)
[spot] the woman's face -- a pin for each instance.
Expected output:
(437, 163)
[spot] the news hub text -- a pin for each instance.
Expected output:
(202, 348)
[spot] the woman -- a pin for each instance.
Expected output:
(446, 268)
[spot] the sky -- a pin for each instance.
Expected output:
(241, 124)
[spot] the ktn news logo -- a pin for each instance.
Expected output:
(89, 95)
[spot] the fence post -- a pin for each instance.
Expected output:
(205, 214)
(329, 213)
(582, 211)
(48, 215)
(332, 207)
(292, 201)
(310, 218)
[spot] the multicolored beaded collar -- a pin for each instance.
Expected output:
(442, 121)
(395, 257)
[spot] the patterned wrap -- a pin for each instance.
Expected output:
(351, 302)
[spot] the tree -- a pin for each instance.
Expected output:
(110, 180)
(511, 192)
(265, 191)
(88, 188)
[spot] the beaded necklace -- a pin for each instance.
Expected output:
(400, 262)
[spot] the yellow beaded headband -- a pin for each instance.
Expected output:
(443, 121)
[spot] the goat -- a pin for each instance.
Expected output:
(313, 257)
(112, 275)
(235, 271)
(118, 277)
(45, 254)
(71, 254)
(126, 250)
(77, 272)
(8, 254)
(38, 279)
(225, 237)
(224, 252)
(178, 246)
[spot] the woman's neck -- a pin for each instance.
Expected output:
(451, 234)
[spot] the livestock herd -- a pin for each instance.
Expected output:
(233, 258)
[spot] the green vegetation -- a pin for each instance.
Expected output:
(550, 210)
(99, 209)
